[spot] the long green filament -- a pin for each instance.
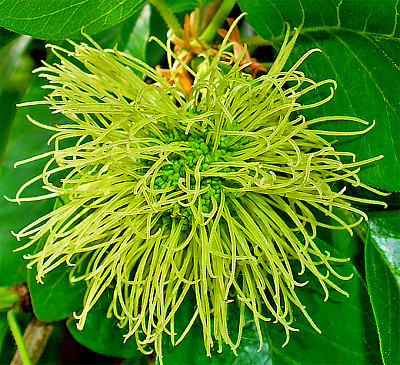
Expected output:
(213, 193)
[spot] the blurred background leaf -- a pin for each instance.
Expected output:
(3, 328)
(178, 6)
(26, 140)
(15, 71)
(382, 258)
(136, 44)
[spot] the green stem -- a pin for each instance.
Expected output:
(198, 17)
(168, 16)
(218, 19)
(12, 322)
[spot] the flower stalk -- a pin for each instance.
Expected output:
(217, 21)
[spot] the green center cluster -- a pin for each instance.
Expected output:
(183, 165)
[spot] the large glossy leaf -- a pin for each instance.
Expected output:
(102, 335)
(363, 70)
(382, 258)
(158, 28)
(191, 349)
(268, 17)
(25, 141)
(57, 298)
(52, 19)
(348, 331)
(361, 51)
(139, 35)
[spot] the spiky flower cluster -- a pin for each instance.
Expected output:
(214, 192)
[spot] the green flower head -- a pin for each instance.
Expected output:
(213, 193)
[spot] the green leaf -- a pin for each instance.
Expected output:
(7, 298)
(191, 349)
(6, 37)
(139, 35)
(178, 6)
(54, 300)
(364, 90)
(9, 57)
(360, 50)
(57, 298)
(117, 35)
(101, 334)
(268, 17)
(158, 28)
(52, 19)
(382, 258)
(15, 71)
(26, 140)
(3, 328)
(348, 330)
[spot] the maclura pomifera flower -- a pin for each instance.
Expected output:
(214, 192)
